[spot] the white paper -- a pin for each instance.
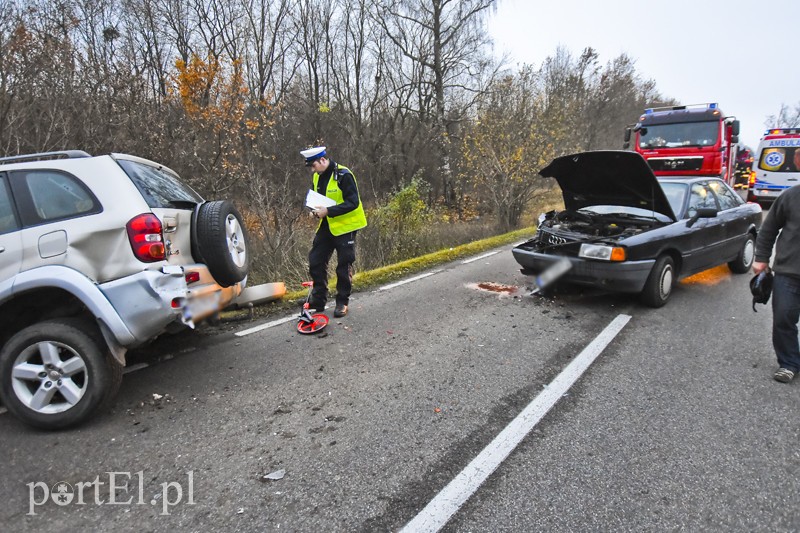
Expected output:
(314, 199)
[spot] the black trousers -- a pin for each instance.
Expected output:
(319, 256)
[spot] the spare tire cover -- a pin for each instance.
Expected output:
(222, 242)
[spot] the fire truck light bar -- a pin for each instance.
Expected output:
(651, 110)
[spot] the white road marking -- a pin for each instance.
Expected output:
(409, 280)
(484, 256)
(445, 504)
(272, 324)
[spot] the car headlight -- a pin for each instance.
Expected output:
(602, 252)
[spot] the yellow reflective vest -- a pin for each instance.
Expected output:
(351, 221)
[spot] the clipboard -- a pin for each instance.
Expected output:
(314, 199)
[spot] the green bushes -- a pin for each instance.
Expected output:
(397, 229)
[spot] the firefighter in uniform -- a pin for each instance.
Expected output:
(337, 228)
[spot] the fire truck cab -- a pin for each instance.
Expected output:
(687, 140)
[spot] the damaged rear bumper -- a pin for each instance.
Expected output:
(149, 301)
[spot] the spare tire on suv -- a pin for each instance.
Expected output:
(222, 241)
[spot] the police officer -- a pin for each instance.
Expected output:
(337, 228)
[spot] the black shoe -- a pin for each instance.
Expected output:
(340, 311)
(317, 306)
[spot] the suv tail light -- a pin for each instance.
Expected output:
(144, 233)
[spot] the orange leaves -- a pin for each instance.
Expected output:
(195, 81)
(211, 92)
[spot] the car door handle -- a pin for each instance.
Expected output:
(2, 249)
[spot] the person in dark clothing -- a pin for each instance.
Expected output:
(783, 223)
(337, 228)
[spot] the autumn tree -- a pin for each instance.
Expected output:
(212, 94)
(508, 144)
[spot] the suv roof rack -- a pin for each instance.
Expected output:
(63, 154)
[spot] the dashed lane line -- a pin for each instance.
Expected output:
(409, 280)
(445, 504)
(272, 324)
(284, 320)
(261, 327)
(484, 256)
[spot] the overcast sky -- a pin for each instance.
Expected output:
(742, 54)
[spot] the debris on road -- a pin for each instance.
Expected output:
(274, 476)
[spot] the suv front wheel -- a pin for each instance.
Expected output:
(56, 373)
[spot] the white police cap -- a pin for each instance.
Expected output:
(312, 154)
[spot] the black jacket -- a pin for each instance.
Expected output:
(783, 218)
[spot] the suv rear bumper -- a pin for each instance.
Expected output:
(134, 309)
(163, 296)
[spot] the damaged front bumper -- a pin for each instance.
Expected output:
(625, 276)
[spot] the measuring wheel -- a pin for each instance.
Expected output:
(308, 324)
(312, 324)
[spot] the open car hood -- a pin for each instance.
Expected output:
(608, 178)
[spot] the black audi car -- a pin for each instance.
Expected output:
(625, 230)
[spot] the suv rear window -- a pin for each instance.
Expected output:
(159, 188)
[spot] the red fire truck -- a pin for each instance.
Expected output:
(687, 140)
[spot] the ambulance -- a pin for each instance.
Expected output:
(776, 166)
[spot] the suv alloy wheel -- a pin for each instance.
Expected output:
(56, 373)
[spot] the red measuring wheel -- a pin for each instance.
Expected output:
(308, 324)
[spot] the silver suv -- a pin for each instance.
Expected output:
(99, 255)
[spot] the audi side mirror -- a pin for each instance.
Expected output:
(703, 212)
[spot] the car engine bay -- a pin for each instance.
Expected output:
(584, 223)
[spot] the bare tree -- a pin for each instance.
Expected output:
(444, 44)
(271, 61)
(786, 118)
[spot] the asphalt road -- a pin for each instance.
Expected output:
(676, 425)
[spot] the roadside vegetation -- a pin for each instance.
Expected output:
(444, 138)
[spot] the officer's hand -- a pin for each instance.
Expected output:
(320, 211)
